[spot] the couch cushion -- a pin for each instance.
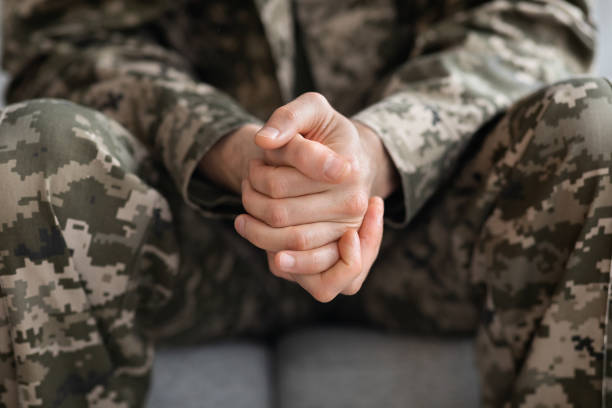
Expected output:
(603, 16)
(223, 375)
(360, 368)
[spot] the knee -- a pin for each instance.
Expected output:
(40, 137)
(572, 120)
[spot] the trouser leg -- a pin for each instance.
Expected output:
(224, 287)
(517, 247)
(79, 234)
(543, 254)
(93, 266)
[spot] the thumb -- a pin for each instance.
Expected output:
(282, 139)
(313, 159)
(304, 114)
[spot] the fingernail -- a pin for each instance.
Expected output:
(286, 261)
(240, 225)
(334, 167)
(268, 132)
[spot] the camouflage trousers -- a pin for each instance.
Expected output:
(100, 258)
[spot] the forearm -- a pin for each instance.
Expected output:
(115, 66)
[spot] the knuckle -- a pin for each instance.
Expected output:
(315, 261)
(315, 97)
(299, 240)
(352, 289)
(356, 168)
(276, 188)
(323, 295)
(357, 172)
(286, 113)
(356, 204)
(276, 216)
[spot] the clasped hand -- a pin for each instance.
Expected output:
(308, 198)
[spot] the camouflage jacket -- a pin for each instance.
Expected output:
(180, 74)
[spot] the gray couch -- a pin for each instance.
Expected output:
(330, 367)
(319, 367)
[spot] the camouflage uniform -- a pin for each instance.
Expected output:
(109, 238)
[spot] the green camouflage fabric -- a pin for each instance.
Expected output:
(517, 246)
(444, 66)
(110, 241)
(96, 264)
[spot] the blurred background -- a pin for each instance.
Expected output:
(603, 62)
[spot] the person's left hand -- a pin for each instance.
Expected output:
(339, 267)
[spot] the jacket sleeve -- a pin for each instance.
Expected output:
(110, 55)
(464, 70)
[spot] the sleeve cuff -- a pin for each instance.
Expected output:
(182, 155)
(388, 119)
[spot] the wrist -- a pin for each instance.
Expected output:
(226, 163)
(385, 177)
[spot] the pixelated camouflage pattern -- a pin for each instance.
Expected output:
(462, 72)
(77, 228)
(490, 248)
(517, 246)
(94, 267)
(446, 66)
